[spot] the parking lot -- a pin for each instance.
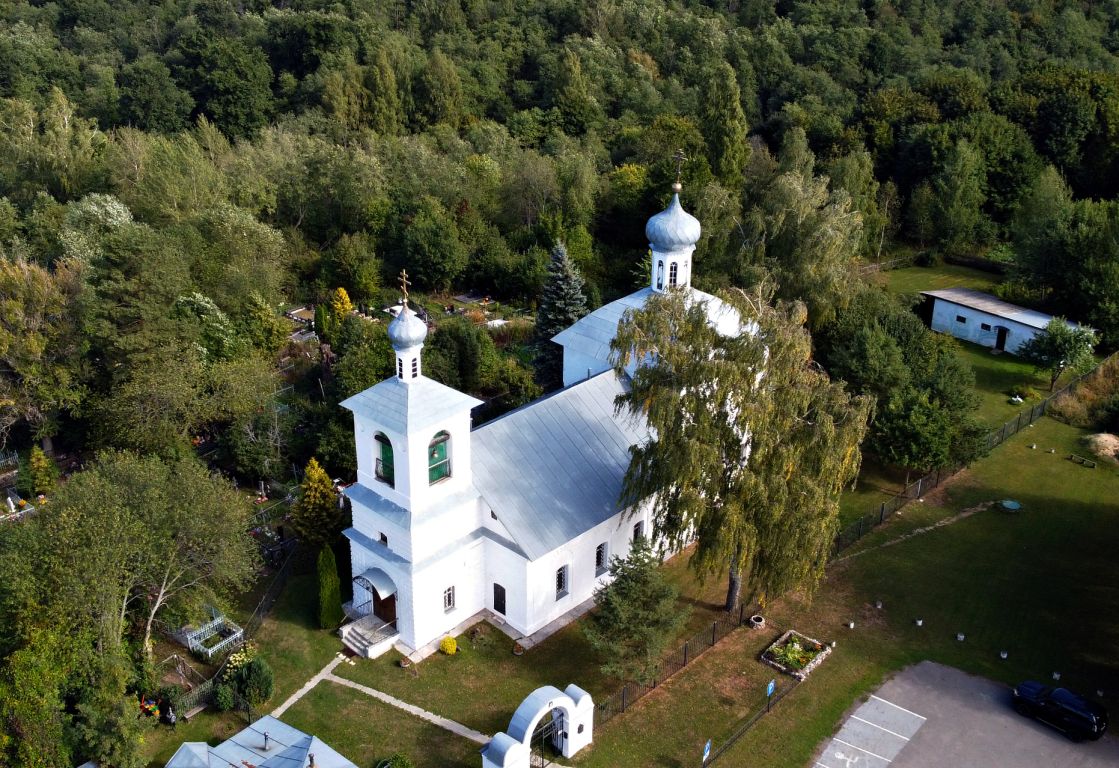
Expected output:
(932, 716)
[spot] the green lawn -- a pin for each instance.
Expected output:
(366, 731)
(917, 279)
(874, 485)
(994, 376)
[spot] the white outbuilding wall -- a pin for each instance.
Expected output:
(980, 327)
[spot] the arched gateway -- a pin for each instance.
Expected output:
(572, 727)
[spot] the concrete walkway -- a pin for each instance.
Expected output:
(322, 674)
(454, 727)
(327, 673)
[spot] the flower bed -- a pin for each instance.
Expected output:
(795, 654)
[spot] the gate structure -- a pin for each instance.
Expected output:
(547, 719)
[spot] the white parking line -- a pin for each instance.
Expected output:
(821, 765)
(876, 725)
(895, 706)
(849, 744)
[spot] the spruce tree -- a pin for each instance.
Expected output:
(635, 615)
(562, 302)
(330, 591)
(316, 516)
(724, 125)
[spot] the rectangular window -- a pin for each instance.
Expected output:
(400, 368)
(449, 599)
(415, 367)
(639, 530)
(385, 539)
(561, 582)
(985, 326)
(601, 558)
(673, 268)
(961, 319)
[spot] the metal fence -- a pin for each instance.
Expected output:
(202, 694)
(868, 522)
(751, 721)
(632, 692)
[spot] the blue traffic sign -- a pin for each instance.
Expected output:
(707, 750)
(769, 689)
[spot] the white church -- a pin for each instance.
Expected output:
(515, 521)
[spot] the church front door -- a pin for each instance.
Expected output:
(384, 609)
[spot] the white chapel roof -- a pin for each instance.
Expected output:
(553, 469)
(591, 335)
(402, 407)
(288, 747)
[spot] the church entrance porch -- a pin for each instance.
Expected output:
(373, 629)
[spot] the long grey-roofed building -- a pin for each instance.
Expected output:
(982, 318)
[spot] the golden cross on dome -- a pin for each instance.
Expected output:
(679, 157)
(404, 285)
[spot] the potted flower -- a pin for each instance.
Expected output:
(518, 649)
(405, 662)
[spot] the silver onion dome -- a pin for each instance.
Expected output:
(407, 330)
(673, 228)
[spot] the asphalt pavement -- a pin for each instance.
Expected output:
(932, 716)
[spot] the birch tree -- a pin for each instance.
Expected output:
(750, 441)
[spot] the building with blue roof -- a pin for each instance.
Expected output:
(267, 743)
(514, 521)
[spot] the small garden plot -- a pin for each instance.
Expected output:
(795, 654)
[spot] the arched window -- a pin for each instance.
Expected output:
(673, 268)
(660, 275)
(438, 459)
(385, 471)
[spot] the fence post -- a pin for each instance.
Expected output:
(714, 626)
(741, 609)
(1019, 427)
(624, 698)
(685, 653)
(882, 513)
(919, 479)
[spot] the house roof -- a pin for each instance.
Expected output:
(985, 302)
(553, 469)
(401, 406)
(288, 747)
(591, 335)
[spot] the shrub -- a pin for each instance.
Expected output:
(1022, 391)
(254, 682)
(223, 697)
(237, 660)
(448, 645)
(397, 760)
(330, 591)
(926, 259)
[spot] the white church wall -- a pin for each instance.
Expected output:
(463, 570)
(423, 493)
(368, 451)
(374, 525)
(510, 570)
(576, 366)
(578, 555)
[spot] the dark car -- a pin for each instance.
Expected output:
(1078, 717)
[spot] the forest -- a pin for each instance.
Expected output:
(174, 175)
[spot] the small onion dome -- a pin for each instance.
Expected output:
(407, 330)
(673, 228)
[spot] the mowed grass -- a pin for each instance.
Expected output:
(366, 731)
(876, 483)
(917, 279)
(1042, 585)
(994, 377)
(482, 684)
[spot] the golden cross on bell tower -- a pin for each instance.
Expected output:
(404, 285)
(679, 157)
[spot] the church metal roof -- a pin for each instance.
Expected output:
(591, 335)
(553, 469)
(401, 407)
